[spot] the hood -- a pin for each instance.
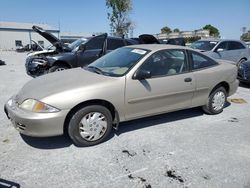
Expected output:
(68, 83)
(38, 45)
(148, 39)
(40, 52)
(50, 37)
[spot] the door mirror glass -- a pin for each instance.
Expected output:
(142, 74)
(220, 50)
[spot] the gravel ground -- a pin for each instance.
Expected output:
(182, 149)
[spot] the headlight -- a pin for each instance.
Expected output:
(39, 61)
(37, 106)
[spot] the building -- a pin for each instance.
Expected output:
(185, 34)
(13, 34)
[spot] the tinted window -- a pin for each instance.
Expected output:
(204, 45)
(200, 61)
(115, 43)
(222, 45)
(131, 42)
(95, 43)
(235, 45)
(18, 43)
(166, 62)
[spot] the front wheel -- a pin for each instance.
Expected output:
(90, 125)
(216, 101)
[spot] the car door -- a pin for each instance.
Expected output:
(170, 87)
(206, 75)
(92, 50)
(221, 51)
(236, 51)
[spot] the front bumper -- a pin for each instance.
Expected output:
(36, 124)
(34, 69)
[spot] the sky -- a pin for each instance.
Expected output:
(149, 16)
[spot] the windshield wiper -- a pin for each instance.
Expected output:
(95, 69)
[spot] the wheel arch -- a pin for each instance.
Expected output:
(108, 105)
(60, 62)
(221, 84)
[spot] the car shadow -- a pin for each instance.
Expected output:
(54, 142)
(159, 119)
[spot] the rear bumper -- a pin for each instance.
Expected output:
(36, 124)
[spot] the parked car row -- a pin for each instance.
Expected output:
(78, 54)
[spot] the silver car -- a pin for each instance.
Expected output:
(128, 83)
(233, 50)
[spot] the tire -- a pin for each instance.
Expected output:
(90, 125)
(57, 68)
(212, 107)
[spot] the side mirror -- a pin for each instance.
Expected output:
(141, 75)
(220, 50)
(82, 47)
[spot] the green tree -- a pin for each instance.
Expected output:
(166, 29)
(213, 31)
(245, 37)
(119, 20)
(176, 30)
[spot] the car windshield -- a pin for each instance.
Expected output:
(204, 45)
(117, 62)
(77, 43)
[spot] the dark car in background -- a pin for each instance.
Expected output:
(78, 54)
(177, 41)
(244, 71)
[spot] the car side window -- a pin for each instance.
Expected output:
(114, 43)
(235, 46)
(200, 61)
(166, 62)
(95, 43)
(222, 45)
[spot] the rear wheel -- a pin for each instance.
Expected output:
(90, 125)
(57, 68)
(216, 101)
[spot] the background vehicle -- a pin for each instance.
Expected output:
(244, 71)
(2, 62)
(78, 54)
(233, 50)
(83, 53)
(128, 83)
(176, 41)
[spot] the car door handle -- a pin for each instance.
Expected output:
(188, 79)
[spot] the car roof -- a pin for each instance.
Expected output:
(219, 40)
(156, 47)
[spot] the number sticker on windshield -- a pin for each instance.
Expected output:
(138, 51)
